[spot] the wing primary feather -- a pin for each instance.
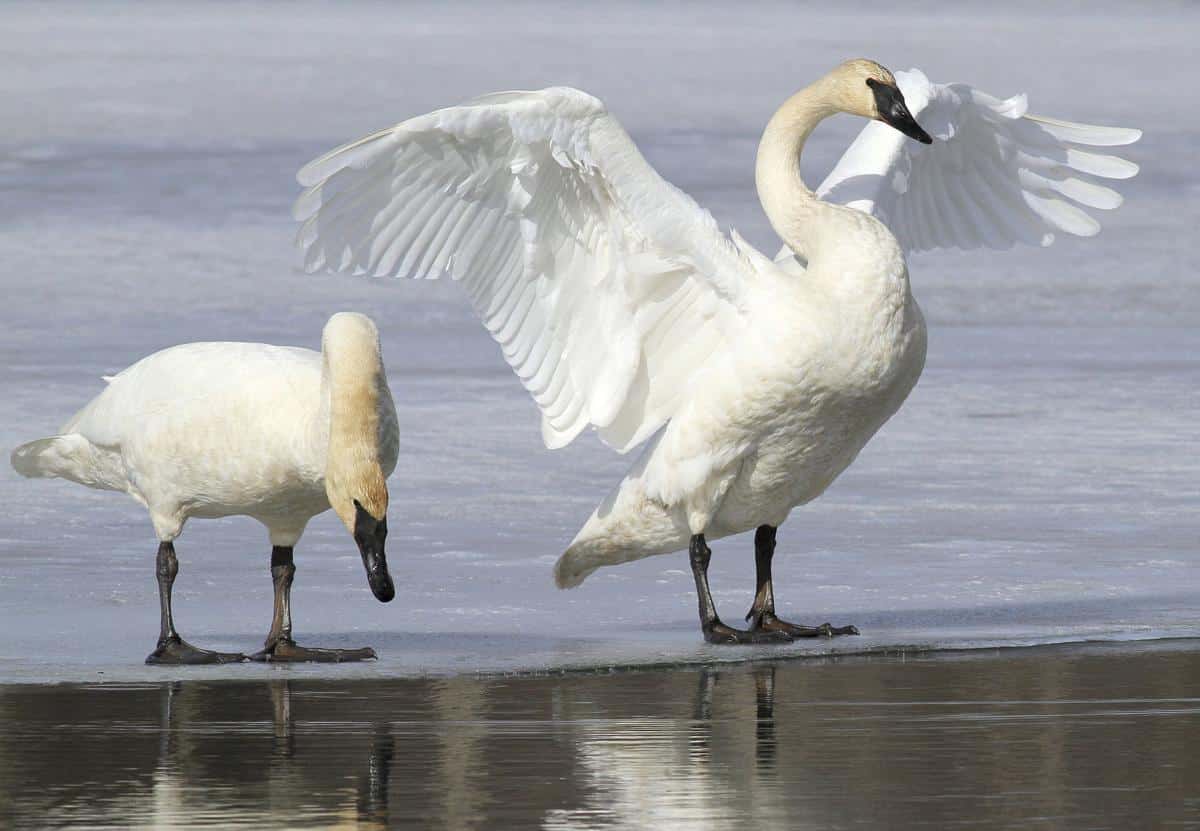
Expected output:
(1005, 235)
(467, 260)
(350, 190)
(515, 318)
(558, 395)
(960, 231)
(407, 226)
(335, 221)
(504, 260)
(433, 225)
(1110, 167)
(420, 225)
(1072, 187)
(1062, 215)
(444, 246)
(528, 363)
(945, 228)
(1091, 134)
(341, 157)
(1008, 199)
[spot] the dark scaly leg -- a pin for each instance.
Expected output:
(171, 648)
(279, 646)
(762, 614)
(715, 631)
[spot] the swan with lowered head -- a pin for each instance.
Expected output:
(276, 433)
(621, 306)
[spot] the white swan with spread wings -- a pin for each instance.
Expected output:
(620, 305)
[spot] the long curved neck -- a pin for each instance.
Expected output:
(352, 383)
(794, 210)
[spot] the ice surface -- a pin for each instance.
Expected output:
(1042, 483)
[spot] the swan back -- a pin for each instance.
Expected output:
(363, 435)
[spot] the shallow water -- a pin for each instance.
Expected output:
(1096, 737)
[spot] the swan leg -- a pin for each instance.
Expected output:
(171, 648)
(715, 631)
(279, 646)
(762, 614)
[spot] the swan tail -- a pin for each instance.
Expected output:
(623, 529)
(585, 556)
(636, 520)
(576, 563)
(38, 459)
(69, 456)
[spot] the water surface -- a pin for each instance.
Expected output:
(1084, 737)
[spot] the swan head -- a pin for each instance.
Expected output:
(864, 88)
(370, 533)
(365, 516)
(355, 481)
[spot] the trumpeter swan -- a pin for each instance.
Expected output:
(220, 429)
(620, 305)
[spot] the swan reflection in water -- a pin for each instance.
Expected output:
(710, 761)
(1104, 734)
(351, 791)
(450, 752)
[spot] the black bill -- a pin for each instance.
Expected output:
(889, 101)
(370, 534)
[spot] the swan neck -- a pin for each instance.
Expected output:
(792, 208)
(352, 384)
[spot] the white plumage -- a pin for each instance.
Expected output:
(620, 305)
(208, 430)
(220, 429)
(995, 176)
(510, 192)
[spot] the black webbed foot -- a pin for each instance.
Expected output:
(285, 650)
(767, 622)
(718, 633)
(175, 651)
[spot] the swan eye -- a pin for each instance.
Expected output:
(872, 83)
(366, 526)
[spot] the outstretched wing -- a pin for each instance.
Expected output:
(994, 175)
(605, 286)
